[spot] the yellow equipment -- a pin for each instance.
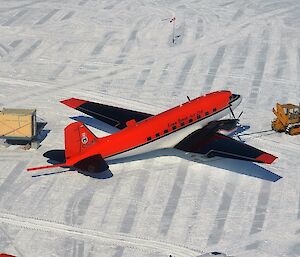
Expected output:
(287, 119)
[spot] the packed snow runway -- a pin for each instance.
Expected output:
(121, 53)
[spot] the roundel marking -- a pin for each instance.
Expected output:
(84, 139)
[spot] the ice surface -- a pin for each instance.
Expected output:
(121, 53)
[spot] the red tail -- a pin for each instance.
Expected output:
(77, 139)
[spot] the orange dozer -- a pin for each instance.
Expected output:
(287, 119)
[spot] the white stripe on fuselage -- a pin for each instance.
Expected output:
(175, 137)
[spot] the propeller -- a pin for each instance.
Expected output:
(232, 113)
(240, 115)
(238, 124)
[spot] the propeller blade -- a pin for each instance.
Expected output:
(240, 115)
(232, 113)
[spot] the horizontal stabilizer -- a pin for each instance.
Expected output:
(93, 163)
(216, 144)
(48, 167)
(114, 116)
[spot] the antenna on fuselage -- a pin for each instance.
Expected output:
(188, 98)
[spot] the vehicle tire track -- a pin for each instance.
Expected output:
(138, 192)
(12, 19)
(196, 214)
(173, 200)
(77, 247)
(11, 178)
(185, 71)
(213, 68)
(223, 210)
(261, 60)
(119, 239)
(79, 203)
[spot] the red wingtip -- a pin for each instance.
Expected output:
(73, 102)
(266, 158)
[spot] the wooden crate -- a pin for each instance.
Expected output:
(18, 123)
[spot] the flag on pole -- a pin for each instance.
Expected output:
(173, 19)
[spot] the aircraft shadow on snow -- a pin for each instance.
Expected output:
(58, 156)
(237, 166)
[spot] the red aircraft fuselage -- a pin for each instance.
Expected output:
(160, 131)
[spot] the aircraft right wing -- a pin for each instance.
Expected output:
(215, 144)
(114, 116)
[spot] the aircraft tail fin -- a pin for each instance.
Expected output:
(78, 138)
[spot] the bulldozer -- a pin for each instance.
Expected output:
(287, 119)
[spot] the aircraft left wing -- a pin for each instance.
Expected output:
(216, 144)
(114, 116)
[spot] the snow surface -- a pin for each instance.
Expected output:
(121, 53)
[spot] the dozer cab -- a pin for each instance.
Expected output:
(287, 119)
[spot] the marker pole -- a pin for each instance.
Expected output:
(174, 31)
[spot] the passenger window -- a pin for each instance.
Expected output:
(157, 134)
(166, 131)
(174, 127)
(149, 138)
(190, 120)
(206, 113)
(214, 109)
(198, 116)
(182, 123)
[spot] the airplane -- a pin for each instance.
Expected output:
(191, 127)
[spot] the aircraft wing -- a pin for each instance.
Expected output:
(114, 116)
(216, 144)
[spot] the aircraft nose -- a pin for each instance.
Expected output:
(235, 97)
(235, 100)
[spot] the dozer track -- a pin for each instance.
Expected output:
(293, 129)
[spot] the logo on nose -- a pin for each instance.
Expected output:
(84, 138)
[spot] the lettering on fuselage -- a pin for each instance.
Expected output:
(181, 122)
